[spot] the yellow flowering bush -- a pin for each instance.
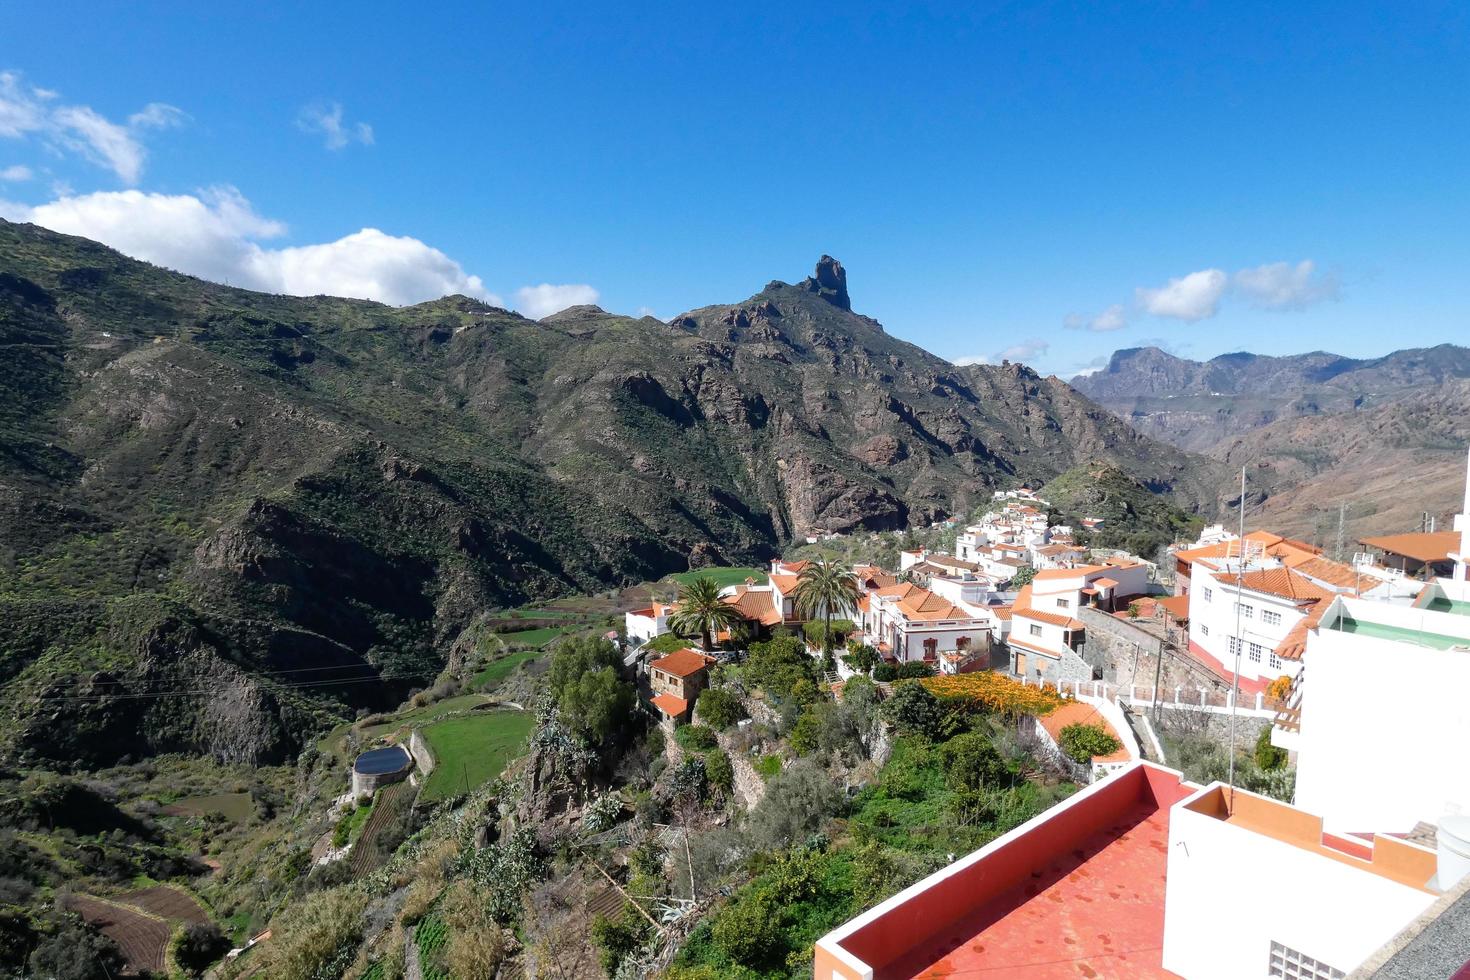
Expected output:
(994, 693)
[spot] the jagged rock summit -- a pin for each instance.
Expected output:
(829, 282)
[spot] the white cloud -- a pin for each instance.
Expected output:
(217, 234)
(1191, 298)
(1283, 286)
(547, 298)
(26, 110)
(1026, 350)
(1115, 317)
(1090, 367)
(647, 311)
(324, 119)
(16, 173)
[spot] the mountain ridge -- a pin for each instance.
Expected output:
(200, 480)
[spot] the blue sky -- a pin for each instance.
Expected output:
(1045, 180)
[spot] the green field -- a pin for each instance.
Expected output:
(724, 576)
(533, 638)
(472, 749)
(498, 670)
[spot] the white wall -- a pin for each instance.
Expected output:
(1232, 891)
(643, 628)
(1383, 731)
(1212, 624)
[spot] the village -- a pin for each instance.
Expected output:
(1263, 640)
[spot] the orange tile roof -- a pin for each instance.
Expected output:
(1081, 713)
(1106, 583)
(1024, 609)
(1430, 546)
(1280, 581)
(1177, 606)
(669, 704)
(682, 663)
(1337, 574)
(785, 584)
(864, 602)
(1001, 612)
(756, 605)
(925, 606)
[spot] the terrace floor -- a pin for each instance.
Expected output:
(1095, 912)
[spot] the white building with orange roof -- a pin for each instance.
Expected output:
(642, 625)
(907, 623)
(1046, 635)
(1279, 593)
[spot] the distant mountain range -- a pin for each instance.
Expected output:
(200, 481)
(1377, 442)
(1196, 404)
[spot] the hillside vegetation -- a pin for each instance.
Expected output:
(294, 508)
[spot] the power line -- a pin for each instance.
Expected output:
(300, 685)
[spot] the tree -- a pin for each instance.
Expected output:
(914, 710)
(797, 800)
(701, 611)
(719, 771)
(596, 705)
(579, 656)
(972, 763)
(780, 668)
(860, 657)
(825, 587)
(719, 708)
(1023, 576)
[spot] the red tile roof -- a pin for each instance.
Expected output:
(1337, 574)
(756, 605)
(785, 584)
(1025, 610)
(1431, 546)
(670, 705)
(682, 663)
(1280, 581)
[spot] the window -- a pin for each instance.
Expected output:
(1063, 603)
(1256, 653)
(1035, 629)
(962, 643)
(1246, 612)
(1234, 646)
(1204, 629)
(1209, 594)
(1292, 965)
(1270, 617)
(1275, 662)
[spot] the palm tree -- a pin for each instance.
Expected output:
(824, 587)
(702, 611)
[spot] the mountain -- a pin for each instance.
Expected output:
(1379, 469)
(230, 518)
(1133, 518)
(1194, 404)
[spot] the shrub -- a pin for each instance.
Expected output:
(972, 763)
(667, 643)
(695, 738)
(860, 657)
(767, 765)
(806, 734)
(913, 710)
(748, 931)
(841, 630)
(885, 672)
(797, 800)
(781, 668)
(914, 668)
(1268, 757)
(1279, 688)
(616, 938)
(719, 707)
(1081, 742)
(199, 944)
(993, 693)
(719, 771)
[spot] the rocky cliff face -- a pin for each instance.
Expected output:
(304, 490)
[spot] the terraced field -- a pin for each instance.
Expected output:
(472, 749)
(142, 938)
(388, 804)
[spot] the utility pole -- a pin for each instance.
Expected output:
(1341, 520)
(1239, 640)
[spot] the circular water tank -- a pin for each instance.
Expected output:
(1453, 845)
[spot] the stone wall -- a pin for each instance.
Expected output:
(1127, 655)
(421, 753)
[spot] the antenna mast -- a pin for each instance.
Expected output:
(1239, 640)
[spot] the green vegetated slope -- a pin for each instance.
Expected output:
(471, 749)
(1134, 518)
(262, 501)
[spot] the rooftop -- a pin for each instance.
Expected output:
(1077, 891)
(1401, 634)
(1429, 546)
(682, 663)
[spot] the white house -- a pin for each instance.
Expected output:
(907, 623)
(1045, 632)
(1383, 720)
(642, 625)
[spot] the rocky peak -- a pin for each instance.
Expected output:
(829, 282)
